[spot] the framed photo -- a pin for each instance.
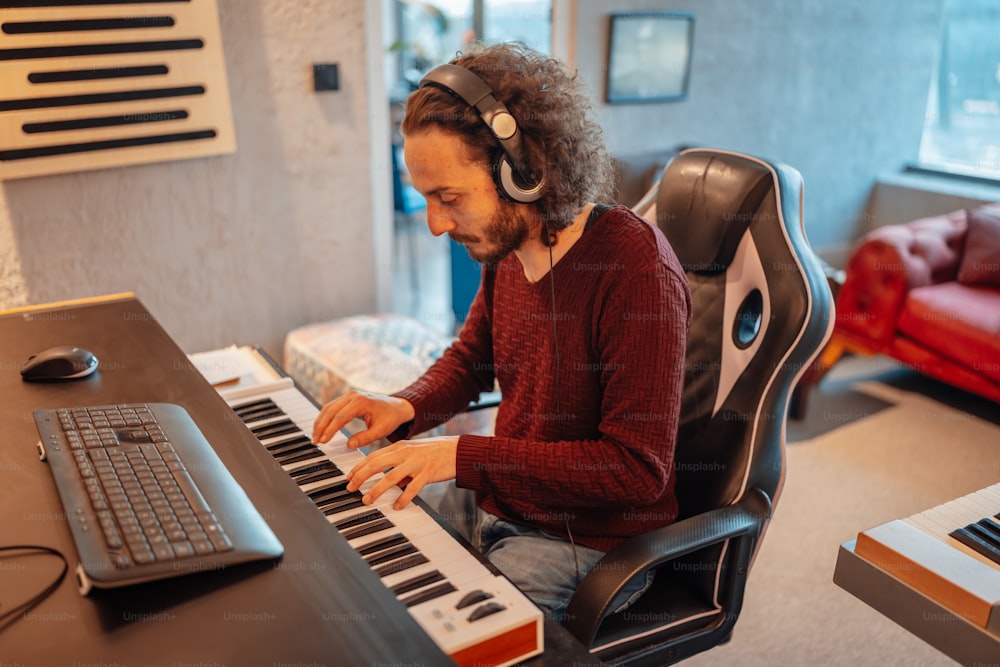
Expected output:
(649, 56)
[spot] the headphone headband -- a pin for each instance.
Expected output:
(468, 87)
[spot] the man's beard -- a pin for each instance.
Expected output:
(504, 234)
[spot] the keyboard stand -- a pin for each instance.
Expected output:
(951, 634)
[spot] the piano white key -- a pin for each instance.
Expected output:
(957, 514)
(977, 505)
(992, 496)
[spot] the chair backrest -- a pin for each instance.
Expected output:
(761, 312)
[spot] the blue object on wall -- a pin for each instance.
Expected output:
(465, 276)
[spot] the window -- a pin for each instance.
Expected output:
(962, 125)
(528, 21)
(427, 34)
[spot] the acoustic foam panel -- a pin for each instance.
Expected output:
(92, 85)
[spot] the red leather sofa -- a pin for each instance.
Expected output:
(927, 293)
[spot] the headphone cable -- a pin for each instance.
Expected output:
(558, 415)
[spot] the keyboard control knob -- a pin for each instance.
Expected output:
(485, 610)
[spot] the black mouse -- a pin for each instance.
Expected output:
(62, 362)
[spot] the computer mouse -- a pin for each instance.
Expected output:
(62, 362)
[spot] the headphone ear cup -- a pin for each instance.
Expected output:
(507, 186)
(475, 92)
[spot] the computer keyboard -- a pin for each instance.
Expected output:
(146, 496)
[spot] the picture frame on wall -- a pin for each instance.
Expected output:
(649, 56)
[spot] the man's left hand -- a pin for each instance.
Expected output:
(421, 461)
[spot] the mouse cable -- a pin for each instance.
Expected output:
(7, 618)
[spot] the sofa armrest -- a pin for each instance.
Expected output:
(889, 262)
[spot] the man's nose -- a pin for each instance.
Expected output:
(439, 224)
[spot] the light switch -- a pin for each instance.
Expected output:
(325, 77)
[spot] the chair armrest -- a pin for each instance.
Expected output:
(592, 600)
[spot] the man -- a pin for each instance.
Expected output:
(582, 317)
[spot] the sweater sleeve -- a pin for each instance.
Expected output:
(459, 376)
(640, 335)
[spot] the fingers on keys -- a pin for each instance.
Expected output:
(381, 415)
(397, 472)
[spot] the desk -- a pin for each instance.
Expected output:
(951, 634)
(320, 604)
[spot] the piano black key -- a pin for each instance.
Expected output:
(274, 430)
(341, 506)
(316, 473)
(305, 454)
(392, 554)
(253, 405)
(328, 490)
(970, 539)
(413, 584)
(368, 529)
(357, 520)
(336, 499)
(990, 528)
(325, 464)
(383, 543)
(251, 416)
(298, 436)
(319, 477)
(987, 536)
(278, 448)
(429, 594)
(334, 496)
(401, 564)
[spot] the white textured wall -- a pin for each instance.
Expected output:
(238, 248)
(836, 89)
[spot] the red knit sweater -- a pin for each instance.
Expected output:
(589, 447)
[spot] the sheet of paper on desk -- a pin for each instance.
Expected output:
(232, 366)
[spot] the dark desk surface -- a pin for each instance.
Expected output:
(319, 605)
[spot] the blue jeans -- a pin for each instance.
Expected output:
(546, 567)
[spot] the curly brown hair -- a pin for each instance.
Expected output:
(561, 139)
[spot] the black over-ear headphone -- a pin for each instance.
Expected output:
(511, 171)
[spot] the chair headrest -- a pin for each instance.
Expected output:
(721, 194)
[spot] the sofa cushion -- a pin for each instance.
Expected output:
(961, 322)
(980, 263)
(929, 249)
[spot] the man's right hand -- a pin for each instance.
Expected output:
(382, 415)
